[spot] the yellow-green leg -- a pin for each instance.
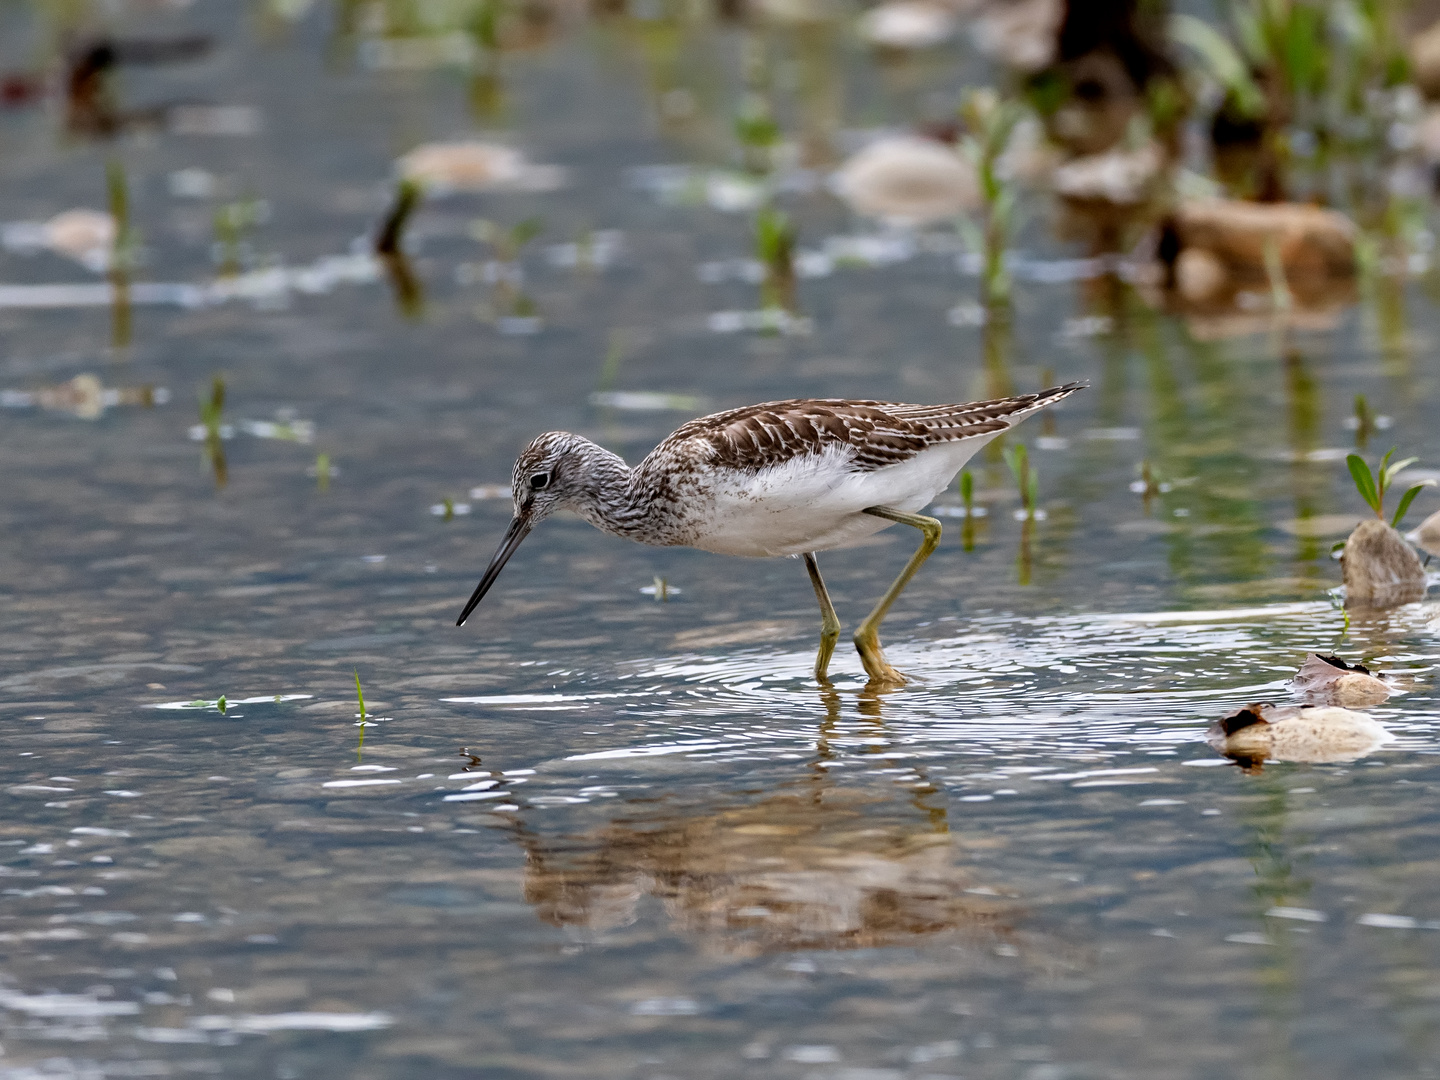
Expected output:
(829, 621)
(867, 637)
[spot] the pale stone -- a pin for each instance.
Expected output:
(1381, 570)
(1310, 241)
(1266, 732)
(908, 180)
(907, 24)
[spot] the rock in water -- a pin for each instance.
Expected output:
(907, 24)
(1310, 241)
(1427, 535)
(1381, 570)
(909, 181)
(1330, 680)
(1265, 732)
(1425, 60)
(1200, 275)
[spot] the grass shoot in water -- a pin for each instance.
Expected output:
(322, 472)
(967, 496)
(775, 250)
(211, 415)
(390, 249)
(1372, 486)
(507, 244)
(121, 254)
(990, 122)
(1027, 478)
(360, 697)
(390, 239)
(232, 222)
(1364, 421)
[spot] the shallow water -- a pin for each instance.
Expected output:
(667, 853)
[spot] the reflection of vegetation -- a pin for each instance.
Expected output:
(1277, 886)
(1311, 480)
(1201, 430)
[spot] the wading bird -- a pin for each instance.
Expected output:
(782, 478)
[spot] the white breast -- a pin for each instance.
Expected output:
(815, 503)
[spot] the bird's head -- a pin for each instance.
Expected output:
(549, 474)
(552, 472)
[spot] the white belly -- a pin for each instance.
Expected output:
(816, 503)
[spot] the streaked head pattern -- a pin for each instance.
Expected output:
(549, 473)
(556, 470)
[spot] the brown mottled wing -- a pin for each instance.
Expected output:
(878, 433)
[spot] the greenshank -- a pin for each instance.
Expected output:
(780, 478)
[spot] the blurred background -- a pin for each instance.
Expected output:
(285, 285)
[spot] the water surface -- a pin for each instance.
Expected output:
(667, 852)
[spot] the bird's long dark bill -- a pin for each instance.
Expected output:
(519, 529)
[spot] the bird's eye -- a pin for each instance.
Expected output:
(539, 480)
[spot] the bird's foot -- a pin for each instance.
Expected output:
(882, 675)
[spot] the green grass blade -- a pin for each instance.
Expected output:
(1393, 470)
(359, 694)
(1405, 501)
(1364, 482)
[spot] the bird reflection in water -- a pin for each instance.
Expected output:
(826, 861)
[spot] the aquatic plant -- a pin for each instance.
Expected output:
(1299, 80)
(508, 243)
(122, 253)
(1364, 421)
(408, 193)
(757, 132)
(1027, 478)
(232, 222)
(1147, 487)
(990, 121)
(361, 724)
(212, 411)
(967, 497)
(1372, 486)
(775, 250)
(756, 129)
(322, 471)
